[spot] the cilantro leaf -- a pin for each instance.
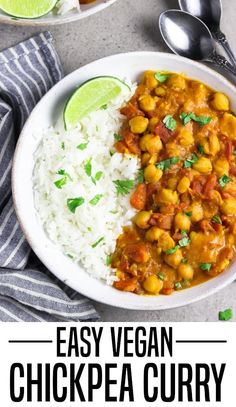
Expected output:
(161, 276)
(104, 107)
(63, 145)
(178, 286)
(217, 219)
(98, 175)
(172, 250)
(190, 161)
(61, 182)
(200, 149)
(224, 180)
(226, 315)
(74, 203)
(184, 242)
(88, 168)
(140, 177)
(108, 260)
(118, 137)
(189, 214)
(184, 260)
(170, 122)
(98, 242)
(205, 266)
(161, 77)
(96, 199)
(123, 187)
(166, 164)
(82, 146)
(187, 117)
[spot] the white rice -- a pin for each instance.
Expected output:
(63, 6)
(76, 233)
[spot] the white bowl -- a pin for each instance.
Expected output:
(45, 114)
(54, 19)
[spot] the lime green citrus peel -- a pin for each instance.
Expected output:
(27, 8)
(91, 96)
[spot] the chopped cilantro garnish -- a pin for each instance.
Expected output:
(97, 242)
(111, 153)
(184, 242)
(96, 199)
(184, 260)
(61, 182)
(104, 107)
(161, 77)
(161, 276)
(118, 137)
(170, 122)
(69, 255)
(63, 145)
(205, 266)
(190, 161)
(74, 203)
(172, 250)
(88, 168)
(108, 260)
(217, 219)
(166, 164)
(82, 146)
(178, 286)
(140, 177)
(200, 149)
(189, 214)
(187, 117)
(224, 180)
(226, 315)
(123, 187)
(98, 175)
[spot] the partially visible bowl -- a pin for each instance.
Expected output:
(53, 19)
(130, 66)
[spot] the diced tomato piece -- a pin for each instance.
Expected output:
(121, 147)
(206, 226)
(163, 132)
(198, 184)
(132, 142)
(128, 285)
(138, 252)
(162, 221)
(167, 291)
(210, 185)
(138, 198)
(228, 148)
(131, 111)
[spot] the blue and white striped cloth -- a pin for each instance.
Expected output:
(28, 292)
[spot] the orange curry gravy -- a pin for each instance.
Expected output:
(185, 228)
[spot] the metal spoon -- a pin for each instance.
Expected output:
(189, 37)
(210, 12)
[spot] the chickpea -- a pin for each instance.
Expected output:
(228, 126)
(220, 101)
(149, 79)
(177, 82)
(154, 145)
(212, 145)
(173, 149)
(230, 240)
(172, 183)
(160, 91)
(174, 259)
(142, 218)
(203, 165)
(185, 138)
(197, 212)
(216, 197)
(153, 122)
(165, 242)
(183, 185)
(185, 271)
(221, 167)
(182, 221)
(143, 141)
(152, 174)
(153, 234)
(229, 206)
(153, 284)
(167, 196)
(138, 124)
(147, 103)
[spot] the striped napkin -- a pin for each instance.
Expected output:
(28, 291)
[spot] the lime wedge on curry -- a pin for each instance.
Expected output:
(27, 8)
(90, 96)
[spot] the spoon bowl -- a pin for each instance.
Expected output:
(209, 11)
(186, 35)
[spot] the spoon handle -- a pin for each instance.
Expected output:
(220, 37)
(222, 62)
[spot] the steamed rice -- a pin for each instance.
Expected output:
(64, 6)
(77, 233)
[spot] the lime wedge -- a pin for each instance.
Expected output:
(27, 8)
(90, 96)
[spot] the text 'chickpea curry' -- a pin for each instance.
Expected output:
(185, 230)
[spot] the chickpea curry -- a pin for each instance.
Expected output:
(184, 232)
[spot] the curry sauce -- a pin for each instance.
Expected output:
(184, 231)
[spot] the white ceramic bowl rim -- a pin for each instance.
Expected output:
(50, 19)
(50, 255)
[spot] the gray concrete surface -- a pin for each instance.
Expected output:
(128, 25)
